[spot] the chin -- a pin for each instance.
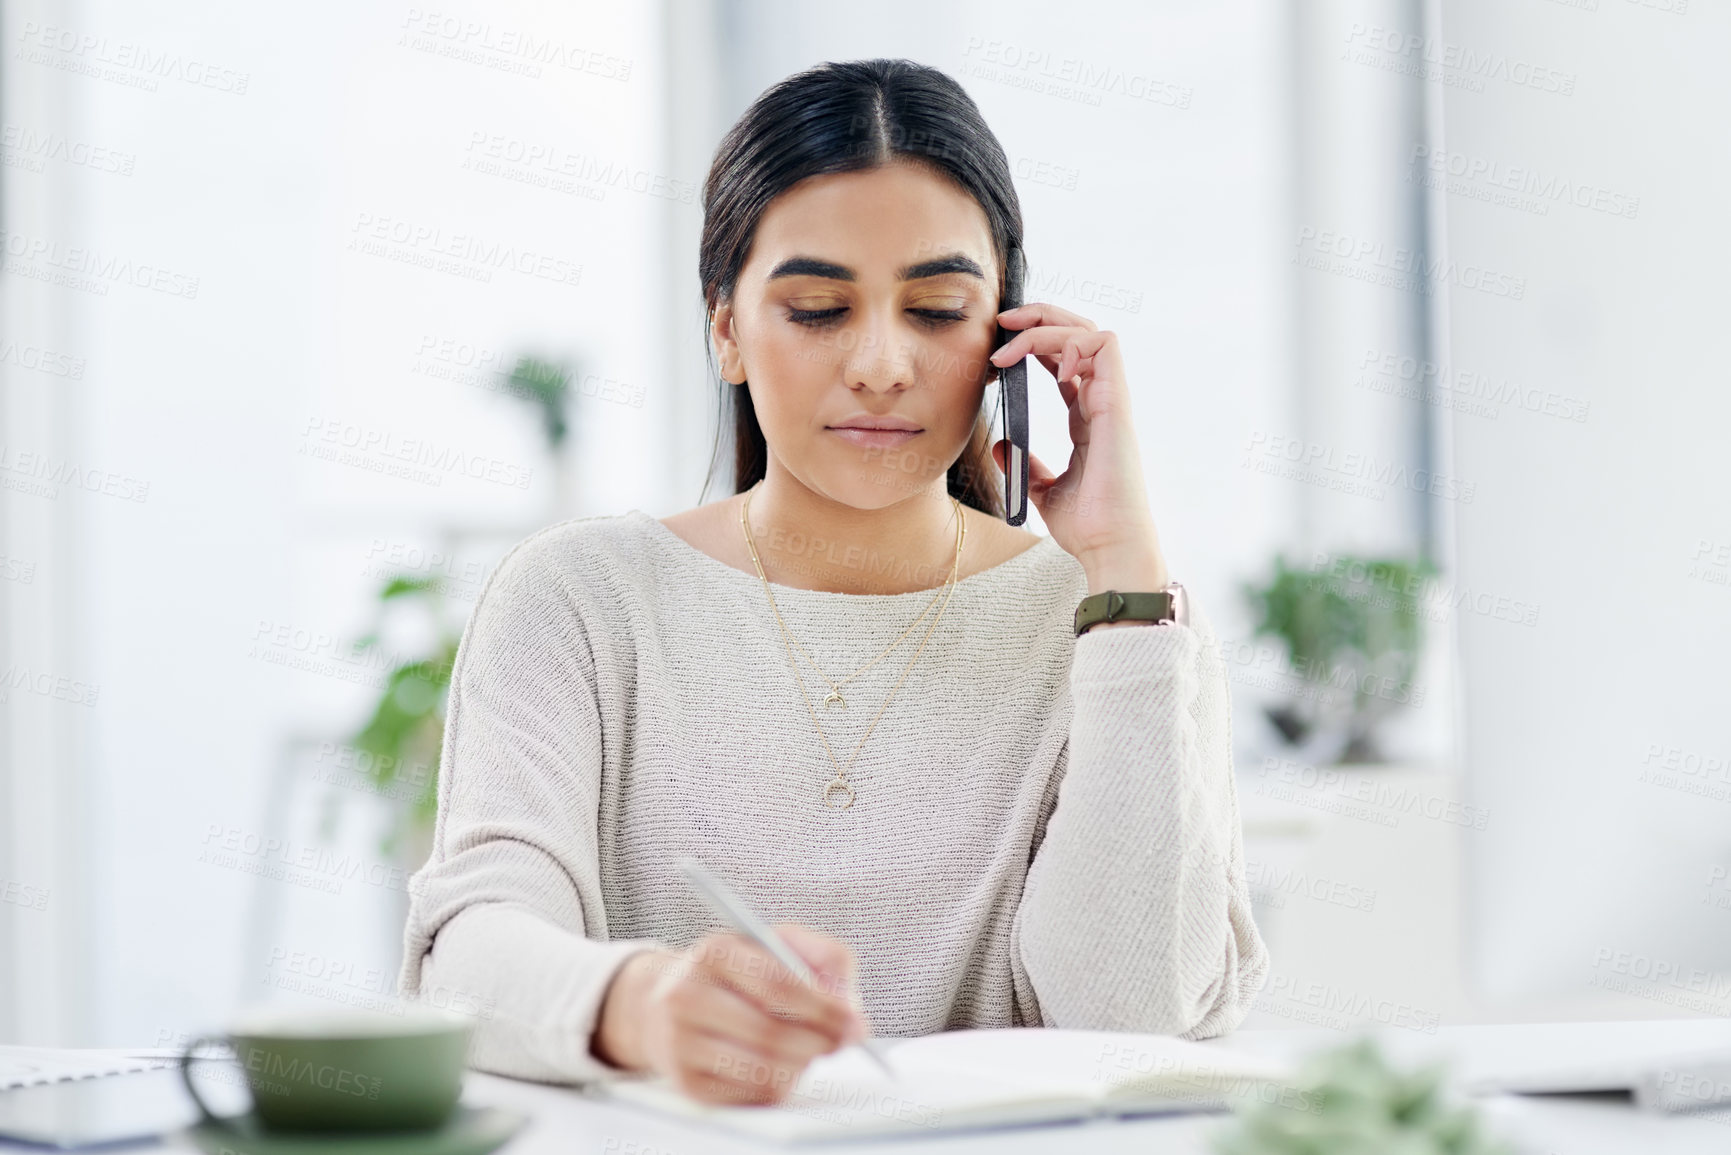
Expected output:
(869, 486)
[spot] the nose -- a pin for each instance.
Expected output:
(881, 362)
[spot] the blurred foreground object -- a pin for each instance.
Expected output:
(1353, 1102)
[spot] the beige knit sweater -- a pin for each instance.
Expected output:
(1045, 833)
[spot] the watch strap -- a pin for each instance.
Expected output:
(1118, 606)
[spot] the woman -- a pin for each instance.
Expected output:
(850, 688)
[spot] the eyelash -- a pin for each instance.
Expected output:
(817, 318)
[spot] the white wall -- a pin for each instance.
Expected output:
(348, 117)
(1589, 735)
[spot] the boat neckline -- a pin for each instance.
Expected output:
(1006, 568)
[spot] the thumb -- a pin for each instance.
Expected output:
(1040, 483)
(1039, 477)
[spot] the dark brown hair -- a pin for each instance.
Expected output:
(845, 117)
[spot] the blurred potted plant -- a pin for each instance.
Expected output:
(402, 739)
(1351, 1101)
(1354, 634)
(548, 387)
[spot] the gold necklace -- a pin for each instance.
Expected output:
(834, 698)
(840, 782)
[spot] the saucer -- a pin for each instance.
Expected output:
(471, 1131)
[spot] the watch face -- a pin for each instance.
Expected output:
(1180, 604)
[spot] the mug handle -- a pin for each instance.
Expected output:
(188, 1056)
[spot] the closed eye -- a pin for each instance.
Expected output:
(814, 317)
(939, 316)
(820, 317)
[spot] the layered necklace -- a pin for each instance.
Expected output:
(838, 788)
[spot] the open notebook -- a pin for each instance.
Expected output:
(983, 1078)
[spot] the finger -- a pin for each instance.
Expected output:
(1068, 388)
(836, 971)
(695, 1080)
(729, 1015)
(732, 1060)
(1068, 385)
(835, 968)
(829, 957)
(740, 964)
(1076, 361)
(1040, 313)
(1047, 361)
(745, 1071)
(705, 1089)
(1074, 352)
(1047, 339)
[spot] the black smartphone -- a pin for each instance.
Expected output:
(1013, 401)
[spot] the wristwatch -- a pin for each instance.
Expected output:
(1157, 608)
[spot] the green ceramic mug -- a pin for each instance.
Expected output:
(344, 1070)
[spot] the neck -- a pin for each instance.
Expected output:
(810, 541)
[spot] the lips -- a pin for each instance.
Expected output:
(875, 438)
(876, 432)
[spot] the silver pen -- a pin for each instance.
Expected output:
(732, 909)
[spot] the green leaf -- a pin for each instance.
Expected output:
(547, 386)
(1358, 624)
(404, 733)
(403, 584)
(1349, 1101)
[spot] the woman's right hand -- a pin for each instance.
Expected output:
(726, 1022)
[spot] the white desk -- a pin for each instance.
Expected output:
(565, 1122)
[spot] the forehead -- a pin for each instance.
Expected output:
(873, 221)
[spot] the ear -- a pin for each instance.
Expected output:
(726, 347)
(992, 371)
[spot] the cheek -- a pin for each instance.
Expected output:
(788, 376)
(956, 364)
(964, 356)
(791, 356)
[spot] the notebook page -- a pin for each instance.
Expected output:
(22, 1066)
(1171, 1072)
(846, 1095)
(1087, 1064)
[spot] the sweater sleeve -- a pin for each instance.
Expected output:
(506, 920)
(1135, 915)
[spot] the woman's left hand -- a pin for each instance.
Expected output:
(1097, 509)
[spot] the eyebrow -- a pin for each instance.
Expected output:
(937, 267)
